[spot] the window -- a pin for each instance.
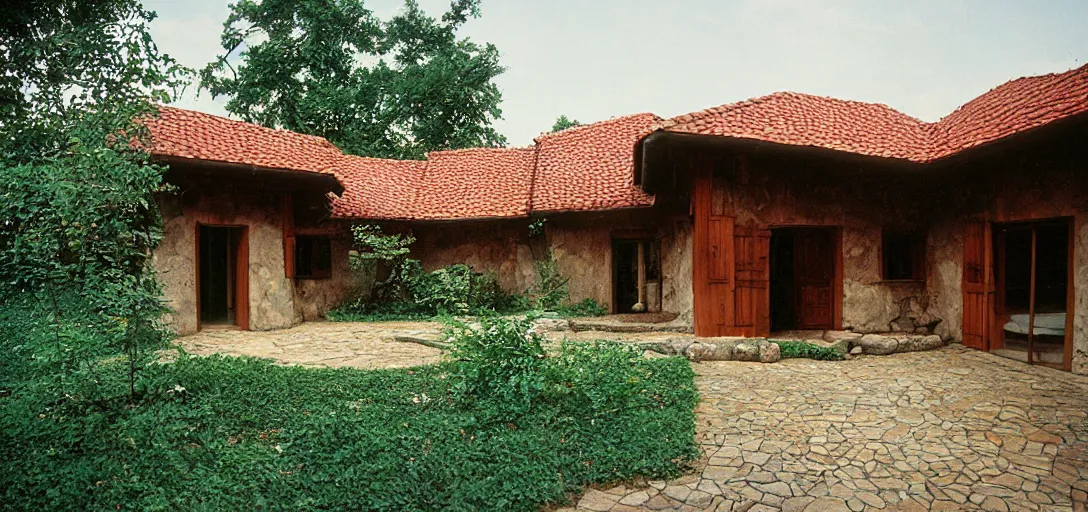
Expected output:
(313, 257)
(904, 255)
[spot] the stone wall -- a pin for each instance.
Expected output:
(581, 244)
(315, 297)
(275, 301)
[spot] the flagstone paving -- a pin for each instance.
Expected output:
(952, 429)
(335, 344)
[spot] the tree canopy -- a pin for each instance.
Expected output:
(392, 88)
(78, 220)
(562, 123)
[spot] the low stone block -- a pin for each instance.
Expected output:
(878, 345)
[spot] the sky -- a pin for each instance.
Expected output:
(595, 59)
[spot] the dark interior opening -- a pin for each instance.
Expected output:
(802, 273)
(218, 254)
(783, 317)
(1016, 316)
(625, 266)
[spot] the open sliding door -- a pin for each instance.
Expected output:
(731, 270)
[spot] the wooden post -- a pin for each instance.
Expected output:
(1031, 300)
(642, 274)
(288, 214)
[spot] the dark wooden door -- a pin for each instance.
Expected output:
(815, 268)
(977, 285)
(751, 278)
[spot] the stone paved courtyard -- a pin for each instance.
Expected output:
(952, 429)
(361, 345)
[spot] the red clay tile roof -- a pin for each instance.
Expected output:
(475, 183)
(591, 167)
(377, 188)
(188, 134)
(1014, 107)
(878, 130)
(806, 120)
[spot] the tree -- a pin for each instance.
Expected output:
(562, 123)
(395, 88)
(78, 219)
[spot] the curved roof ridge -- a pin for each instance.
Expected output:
(596, 124)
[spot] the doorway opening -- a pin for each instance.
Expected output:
(636, 276)
(1033, 292)
(803, 278)
(222, 276)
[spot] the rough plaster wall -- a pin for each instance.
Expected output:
(583, 253)
(870, 304)
(496, 246)
(944, 266)
(1080, 284)
(271, 304)
(315, 297)
(677, 247)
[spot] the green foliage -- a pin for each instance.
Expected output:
(803, 350)
(587, 307)
(371, 244)
(223, 433)
(395, 88)
(562, 123)
(78, 220)
(498, 364)
(550, 292)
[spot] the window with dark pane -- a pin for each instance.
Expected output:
(904, 256)
(313, 257)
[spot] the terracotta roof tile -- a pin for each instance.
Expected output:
(377, 188)
(189, 134)
(475, 183)
(1013, 107)
(591, 167)
(878, 130)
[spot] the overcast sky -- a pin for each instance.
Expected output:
(596, 59)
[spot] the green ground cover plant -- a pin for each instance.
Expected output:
(803, 350)
(501, 427)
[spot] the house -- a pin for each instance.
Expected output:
(785, 212)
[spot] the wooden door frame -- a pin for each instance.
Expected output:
(995, 255)
(241, 290)
(836, 271)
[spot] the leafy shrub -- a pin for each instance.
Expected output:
(498, 362)
(551, 291)
(803, 350)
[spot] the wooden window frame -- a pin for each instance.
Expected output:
(916, 240)
(301, 241)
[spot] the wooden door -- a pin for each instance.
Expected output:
(751, 278)
(977, 285)
(241, 277)
(730, 272)
(814, 266)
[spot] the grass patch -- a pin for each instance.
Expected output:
(804, 350)
(221, 433)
